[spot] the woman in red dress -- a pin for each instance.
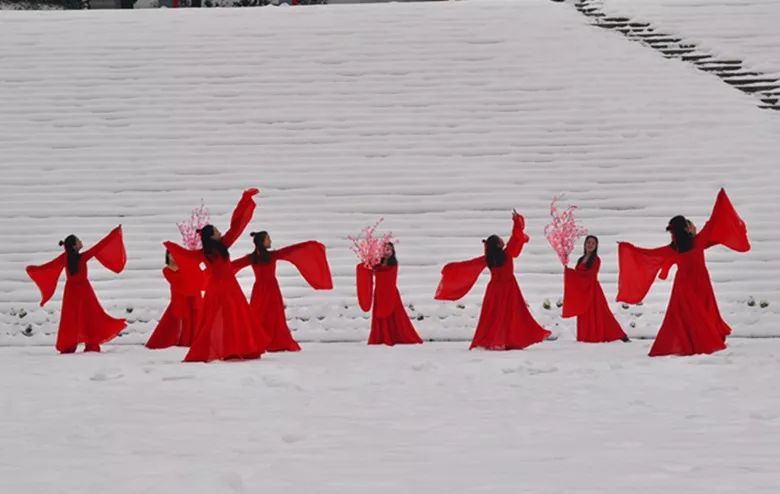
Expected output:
(267, 303)
(692, 323)
(82, 319)
(505, 323)
(390, 325)
(583, 297)
(177, 324)
(226, 329)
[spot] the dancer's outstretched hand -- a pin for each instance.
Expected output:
(518, 217)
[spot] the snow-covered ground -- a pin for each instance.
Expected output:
(439, 117)
(435, 418)
(743, 29)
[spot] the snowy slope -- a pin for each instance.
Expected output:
(731, 28)
(439, 117)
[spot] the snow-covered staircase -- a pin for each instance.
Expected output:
(764, 87)
(439, 117)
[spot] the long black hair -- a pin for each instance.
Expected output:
(212, 247)
(682, 239)
(494, 253)
(392, 260)
(73, 255)
(592, 259)
(260, 255)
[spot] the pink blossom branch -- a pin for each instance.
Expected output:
(189, 228)
(562, 232)
(369, 248)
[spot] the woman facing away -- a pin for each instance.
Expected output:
(378, 288)
(82, 319)
(267, 302)
(505, 323)
(226, 328)
(583, 297)
(692, 323)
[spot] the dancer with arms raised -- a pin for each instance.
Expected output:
(226, 328)
(505, 323)
(82, 319)
(692, 323)
(267, 303)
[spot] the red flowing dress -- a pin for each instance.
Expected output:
(177, 324)
(82, 319)
(505, 323)
(390, 324)
(583, 297)
(226, 329)
(267, 303)
(692, 324)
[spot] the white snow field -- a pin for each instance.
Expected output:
(728, 28)
(560, 417)
(439, 117)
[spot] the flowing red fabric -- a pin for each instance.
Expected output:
(365, 287)
(693, 323)
(178, 323)
(267, 302)
(505, 323)
(226, 328)
(390, 324)
(82, 319)
(583, 297)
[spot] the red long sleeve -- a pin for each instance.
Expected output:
(45, 276)
(724, 227)
(311, 261)
(242, 215)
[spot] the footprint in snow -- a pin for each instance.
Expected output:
(293, 438)
(234, 481)
(424, 366)
(278, 382)
(177, 378)
(107, 375)
(531, 371)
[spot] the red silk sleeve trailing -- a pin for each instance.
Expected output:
(45, 276)
(724, 227)
(457, 278)
(110, 251)
(365, 286)
(311, 260)
(242, 215)
(638, 269)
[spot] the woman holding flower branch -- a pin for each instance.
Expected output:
(377, 288)
(583, 297)
(505, 323)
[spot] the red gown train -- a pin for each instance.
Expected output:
(692, 323)
(583, 297)
(505, 323)
(82, 319)
(178, 323)
(267, 303)
(226, 329)
(390, 324)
